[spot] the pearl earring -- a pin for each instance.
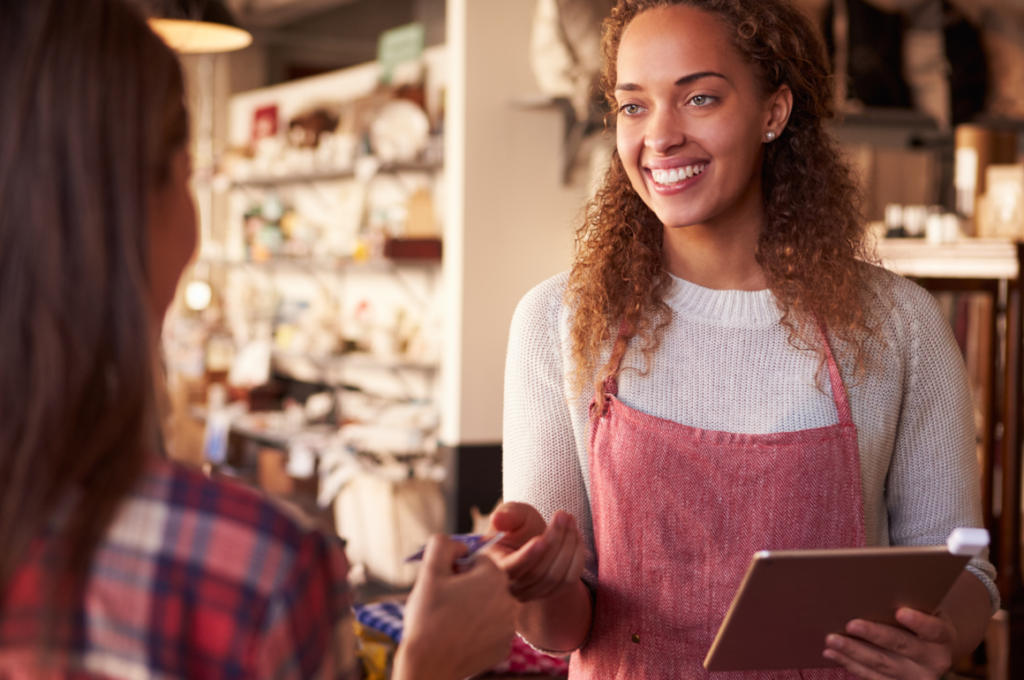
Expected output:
(770, 135)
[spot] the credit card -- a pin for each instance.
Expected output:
(475, 542)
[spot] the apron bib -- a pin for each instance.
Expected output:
(678, 514)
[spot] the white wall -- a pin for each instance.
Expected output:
(511, 220)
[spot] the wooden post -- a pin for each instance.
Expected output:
(1009, 538)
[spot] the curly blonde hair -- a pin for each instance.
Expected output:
(812, 248)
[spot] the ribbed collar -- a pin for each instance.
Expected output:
(755, 307)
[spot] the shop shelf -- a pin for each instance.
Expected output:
(331, 175)
(964, 259)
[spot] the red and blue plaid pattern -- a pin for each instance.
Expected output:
(195, 579)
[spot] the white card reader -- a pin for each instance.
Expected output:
(967, 541)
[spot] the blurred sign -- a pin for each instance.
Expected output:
(399, 45)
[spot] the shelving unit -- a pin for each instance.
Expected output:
(323, 278)
(992, 267)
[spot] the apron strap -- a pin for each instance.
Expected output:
(611, 381)
(839, 395)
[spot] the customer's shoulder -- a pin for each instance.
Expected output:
(178, 515)
(188, 489)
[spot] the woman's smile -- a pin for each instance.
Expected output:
(672, 179)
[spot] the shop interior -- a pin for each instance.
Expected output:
(380, 181)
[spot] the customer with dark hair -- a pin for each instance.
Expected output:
(115, 561)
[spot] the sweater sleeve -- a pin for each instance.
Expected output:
(933, 484)
(541, 460)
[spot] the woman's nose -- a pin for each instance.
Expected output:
(664, 131)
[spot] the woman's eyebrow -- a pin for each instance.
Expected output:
(685, 80)
(693, 77)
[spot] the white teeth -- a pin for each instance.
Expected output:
(674, 175)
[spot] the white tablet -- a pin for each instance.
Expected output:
(790, 601)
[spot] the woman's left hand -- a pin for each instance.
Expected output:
(875, 651)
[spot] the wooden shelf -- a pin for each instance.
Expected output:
(331, 175)
(965, 259)
(316, 264)
(325, 369)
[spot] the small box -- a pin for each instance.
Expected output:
(413, 249)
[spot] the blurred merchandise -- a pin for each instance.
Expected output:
(400, 131)
(930, 222)
(376, 652)
(977, 147)
(1001, 209)
(413, 249)
(385, 515)
(870, 43)
(218, 425)
(305, 353)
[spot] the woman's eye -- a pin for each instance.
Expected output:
(701, 99)
(630, 109)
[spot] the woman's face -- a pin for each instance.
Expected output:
(691, 118)
(172, 232)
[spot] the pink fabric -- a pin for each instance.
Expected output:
(524, 659)
(679, 512)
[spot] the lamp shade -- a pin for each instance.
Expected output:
(197, 26)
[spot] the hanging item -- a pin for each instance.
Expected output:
(908, 54)
(565, 48)
(873, 53)
(968, 74)
(196, 26)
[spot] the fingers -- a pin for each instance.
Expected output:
(441, 553)
(519, 521)
(510, 516)
(485, 569)
(546, 563)
(862, 658)
(887, 638)
(929, 628)
(855, 667)
(565, 543)
(874, 650)
(578, 564)
(536, 554)
(560, 571)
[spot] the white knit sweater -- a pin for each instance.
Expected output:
(725, 364)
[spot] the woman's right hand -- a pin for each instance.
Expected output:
(540, 560)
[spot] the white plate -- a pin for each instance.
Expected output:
(400, 131)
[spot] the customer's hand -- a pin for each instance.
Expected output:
(540, 559)
(874, 651)
(456, 625)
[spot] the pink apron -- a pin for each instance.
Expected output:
(679, 512)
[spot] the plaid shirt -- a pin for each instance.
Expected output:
(195, 579)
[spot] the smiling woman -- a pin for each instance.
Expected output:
(722, 371)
